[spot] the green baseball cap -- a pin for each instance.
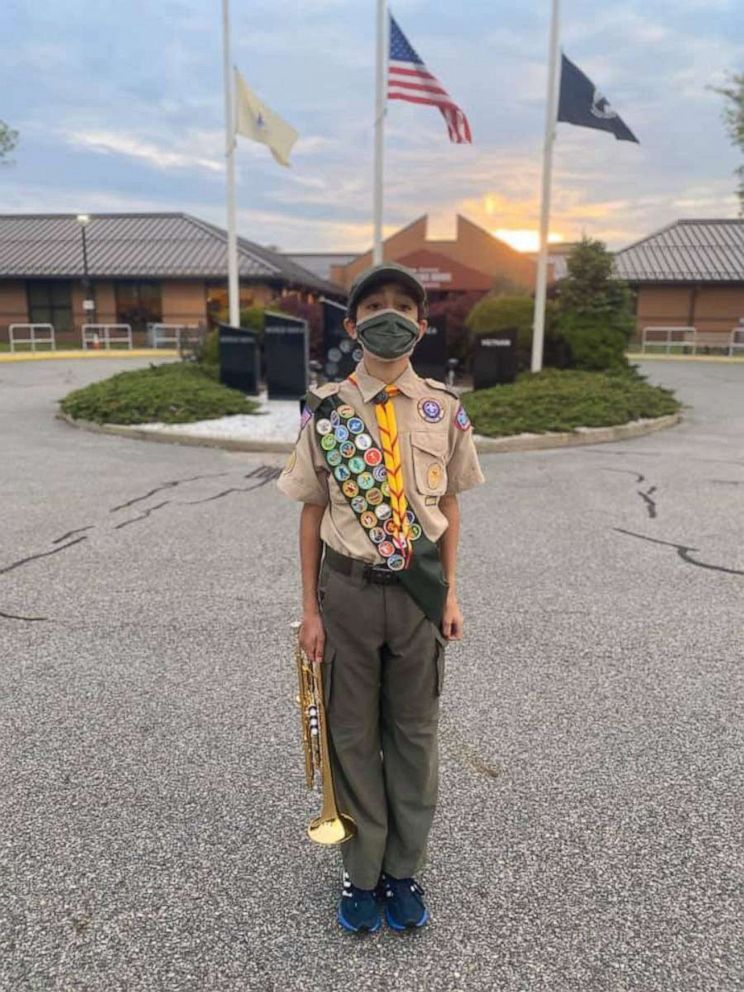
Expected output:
(386, 272)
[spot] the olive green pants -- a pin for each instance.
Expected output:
(383, 669)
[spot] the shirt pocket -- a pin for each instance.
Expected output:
(429, 454)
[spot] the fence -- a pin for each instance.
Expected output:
(106, 335)
(33, 339)
(169, 335)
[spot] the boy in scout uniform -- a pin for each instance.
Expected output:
(378, 465)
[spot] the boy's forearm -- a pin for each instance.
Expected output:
(449, 540)
(310, 551)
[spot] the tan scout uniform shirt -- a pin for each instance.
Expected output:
(438, 459)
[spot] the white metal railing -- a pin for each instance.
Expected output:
(737, 339)
(729, 341)
(168, 335)
(668, 336)
(104, 335)
(33, 338)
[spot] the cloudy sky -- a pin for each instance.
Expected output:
(120, 107)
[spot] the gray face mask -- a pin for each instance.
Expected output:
(388, 334)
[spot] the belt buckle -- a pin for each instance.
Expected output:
(380, 574)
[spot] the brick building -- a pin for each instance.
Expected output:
(689, 274)
(142, 268)
(469, 263)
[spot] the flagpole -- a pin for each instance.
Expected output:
(233, 288)
(551, 114)
(380, 105)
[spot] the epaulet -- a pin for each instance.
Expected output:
(317, 394)
(436, 384)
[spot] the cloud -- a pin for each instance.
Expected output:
(161, 156)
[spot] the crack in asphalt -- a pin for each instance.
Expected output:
(683, 550)
(266, 473)
(143, 516)
(727, 482)
(78, 530)
(15, 616)
(166, 485)
(42, 554)
(645, 496)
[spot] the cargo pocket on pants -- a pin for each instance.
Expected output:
(441, 645)
(326, 674)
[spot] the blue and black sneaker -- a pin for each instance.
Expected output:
(358, 909)
(404, 904)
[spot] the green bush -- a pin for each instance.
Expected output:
(174, 393)
(594, 342)
(499, 313)
(562, 400)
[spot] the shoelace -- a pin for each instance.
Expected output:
(409, 883)
(352, 892)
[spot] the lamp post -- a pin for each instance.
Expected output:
(89, 304)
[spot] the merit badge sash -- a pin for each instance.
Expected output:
(357, 465)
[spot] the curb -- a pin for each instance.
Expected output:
(52, 356)
(486, 445)
(644, 356)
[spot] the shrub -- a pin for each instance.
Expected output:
(498, 313)
(174, 393)
(562, 400)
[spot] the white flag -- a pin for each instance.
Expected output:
(256, 121)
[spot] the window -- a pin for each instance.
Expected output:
(50, 302)
(138, 303)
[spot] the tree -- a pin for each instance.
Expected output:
(594, 309)
(733, 117)
(8, 140)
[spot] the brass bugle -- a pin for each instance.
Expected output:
(330, 826)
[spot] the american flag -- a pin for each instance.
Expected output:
(409, 79)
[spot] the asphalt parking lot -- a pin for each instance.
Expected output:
(589, 836)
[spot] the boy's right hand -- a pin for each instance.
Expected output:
(312, 636)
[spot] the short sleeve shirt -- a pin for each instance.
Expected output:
(437, 451)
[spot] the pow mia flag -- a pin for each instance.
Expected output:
(582, 103)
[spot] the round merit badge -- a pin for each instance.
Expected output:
(333, 457)
(386, 548)
(327, 442)
(377, 534)
(462, 420)
(383, 511)
(334, 418)
(410, 517)
(396, 562)
(415, 532)
(374, 497)
(368, 519)
(347, 449)
(380, 473)
(323, 427)
(365, 480)
(373, 456)
(350, 489)
(342, 473)
(355, 425)
(356, 465)
(384, 489)
(389, 527)
(431, 410)
(363, 442)
(345, 411)
(359, 504)
(341, 433)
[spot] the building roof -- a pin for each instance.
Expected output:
(686, 251)
(146, 246)
(320, 264)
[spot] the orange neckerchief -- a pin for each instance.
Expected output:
(386, 422)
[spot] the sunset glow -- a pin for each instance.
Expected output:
(524, 239)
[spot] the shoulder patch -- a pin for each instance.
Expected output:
(462, 420)
(436, 384)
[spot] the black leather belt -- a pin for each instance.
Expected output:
(380, 575)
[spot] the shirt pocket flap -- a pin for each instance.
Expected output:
(432, 442)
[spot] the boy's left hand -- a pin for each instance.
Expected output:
(452, 619)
